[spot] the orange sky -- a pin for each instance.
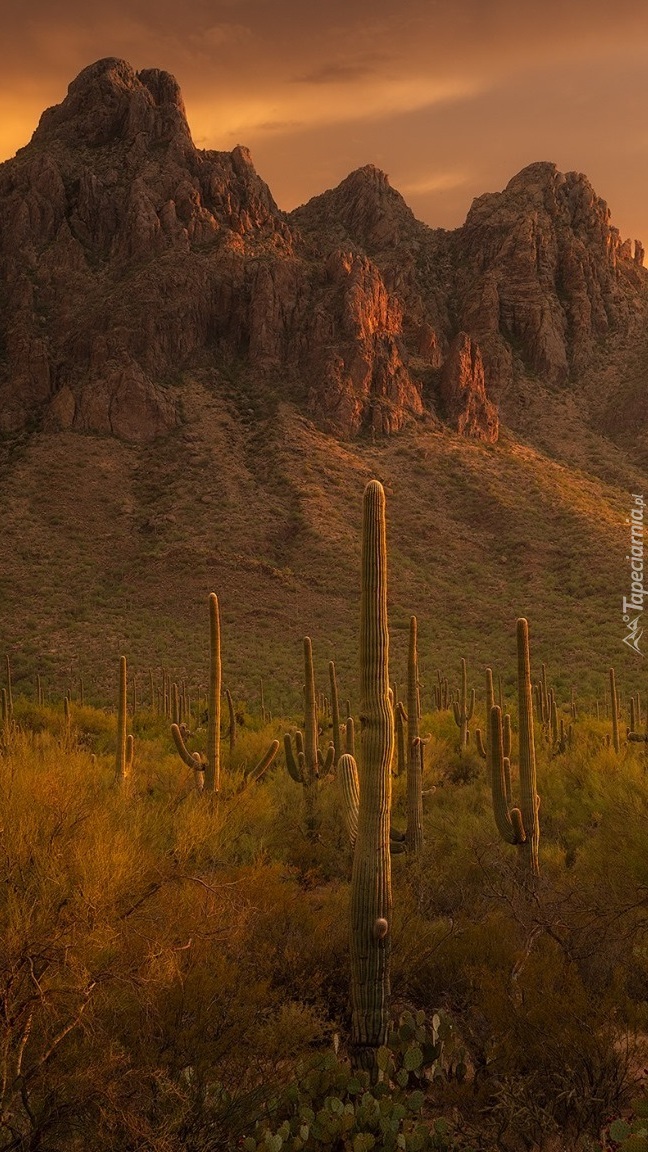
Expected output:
(449, 97)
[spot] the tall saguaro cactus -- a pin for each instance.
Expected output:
(371, 899)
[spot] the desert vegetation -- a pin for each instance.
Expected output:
(361, 941)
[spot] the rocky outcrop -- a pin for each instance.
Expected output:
(463, 390)
(540, 274)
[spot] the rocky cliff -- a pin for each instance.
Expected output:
(128, 257)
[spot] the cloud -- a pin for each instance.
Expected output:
(340, 71)
(434, 182)
(372, 99)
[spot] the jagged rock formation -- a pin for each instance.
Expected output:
(128, 256)
(542, 273)
(467, 407)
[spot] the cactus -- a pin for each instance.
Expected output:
(414, 834)
(614, 711)
(508, 820)
(207, 769)
(308, 766)
(401, 754)
(350, 790)
(371, 900)
(198, 763)
(518, 825)
(529, 800)
(266, 760)
(232, 721)
(506, 735)
(121, 766)
(335, 714)
(350, 736)
(490, 699)
(212, 767)
(9, 688)
(463, 710)
(193, 760)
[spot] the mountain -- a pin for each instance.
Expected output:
(195, 385)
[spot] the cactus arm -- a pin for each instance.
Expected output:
(266, 760)
(327, 762)
(457, 714)
(292, 764)
(371, 899)
(480, 744)
(471, 709)
(191, 759)
(350, 736)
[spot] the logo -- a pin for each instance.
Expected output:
(633, 605)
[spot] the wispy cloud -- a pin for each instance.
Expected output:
(434, 182)
(369, 100)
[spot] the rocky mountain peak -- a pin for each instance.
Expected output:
(108, 101)
(364, 206)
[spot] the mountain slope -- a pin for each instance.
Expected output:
(195, 386)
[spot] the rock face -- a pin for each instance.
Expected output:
(542, 274)
(127, 256)
(467, 407)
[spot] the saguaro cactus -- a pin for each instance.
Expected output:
(517, 825)
(414, 834)
(462, 709)
(335, 714)
(508, 820)
(371, 899)
(614, 709)
(121, 759)
(309, 765)
(350, 793)
(529, 801)
(212, 767)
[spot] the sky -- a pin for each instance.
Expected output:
(449, 97)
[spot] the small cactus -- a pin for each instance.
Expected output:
(121, 763)
(463, 709)
(614, 710)
(308, 765)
